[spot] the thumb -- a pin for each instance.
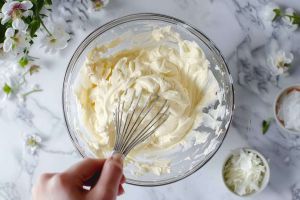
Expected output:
(108, 185)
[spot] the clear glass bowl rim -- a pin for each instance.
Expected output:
(148, 16)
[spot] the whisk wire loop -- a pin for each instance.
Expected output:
(127, 135)
(133, 131)
(144, 135)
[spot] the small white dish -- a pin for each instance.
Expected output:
(277, 103)
(266, 177)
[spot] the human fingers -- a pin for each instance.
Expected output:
(85, 171)
(107, 186)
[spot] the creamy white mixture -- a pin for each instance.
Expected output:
(178, 72)
(289, 110)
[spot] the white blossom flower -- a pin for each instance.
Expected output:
(287, 20)
(280, 62)
(32, 143)
(56, 41)
(15, 10)
(99, 4)
(267, 13)
(13, 76)
(14, 42)
(9, 75)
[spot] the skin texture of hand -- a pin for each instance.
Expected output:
(69, 184)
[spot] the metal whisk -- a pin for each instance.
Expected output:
(140, 123)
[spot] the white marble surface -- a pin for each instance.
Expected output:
(237, 29)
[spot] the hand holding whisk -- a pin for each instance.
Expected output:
(134, 124)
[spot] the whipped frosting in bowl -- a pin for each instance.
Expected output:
(150, 56)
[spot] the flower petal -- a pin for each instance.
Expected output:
(19, 24)
(25, 5)
(10, 7)
(6, 7)
(38, 139)
(7, 45)
(27, 13)
(5, 19)
(10, 32)
(289, 11)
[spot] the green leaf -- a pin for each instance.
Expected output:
(37, 6)
(43, 15)
(277, 12)
(296, 19)
(34, 69)
(2, 3)
(48, 2)
(34, 26)
(266, 125)
(23, 61)
(6, 88)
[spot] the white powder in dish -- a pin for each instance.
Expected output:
(289, 110)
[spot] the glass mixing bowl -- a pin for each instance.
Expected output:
(138, 23)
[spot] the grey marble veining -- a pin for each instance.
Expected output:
(245, 38)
